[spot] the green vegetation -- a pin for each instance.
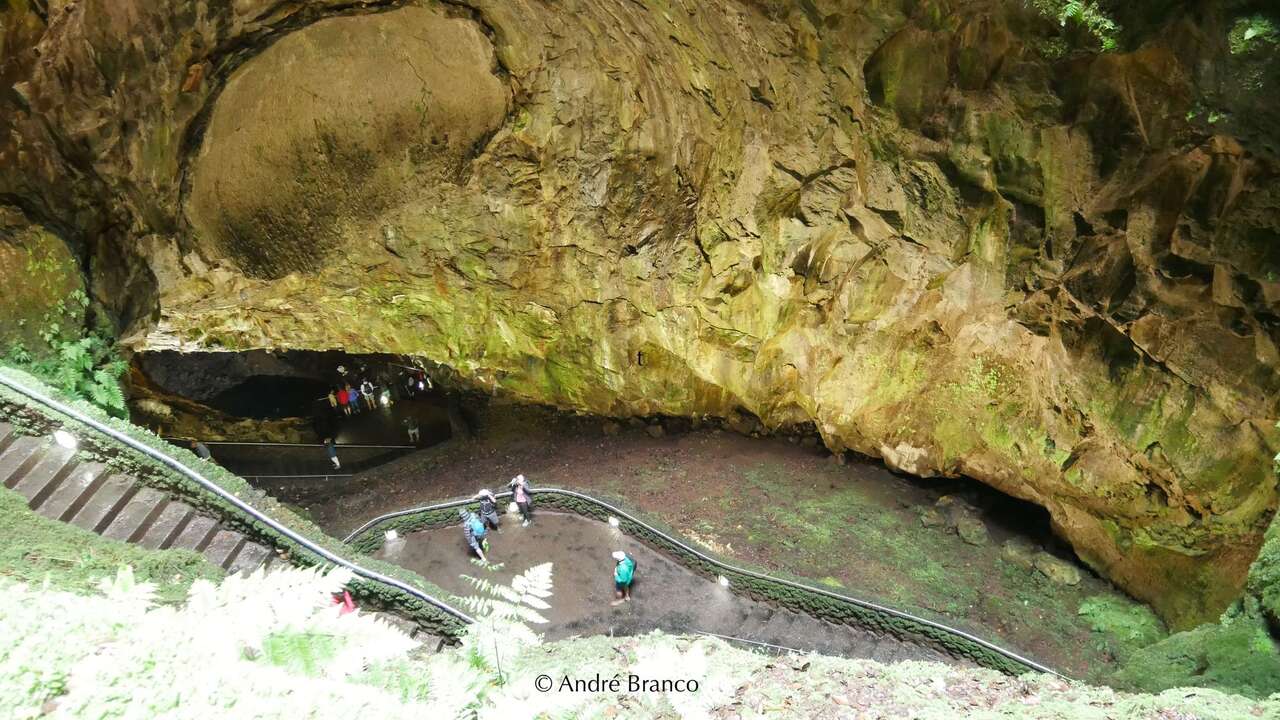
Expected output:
(79, 361)
(271, 646)
(1132, 626)
(40, 551)
(1236, 655)
(1085, 14)
(1253, 34)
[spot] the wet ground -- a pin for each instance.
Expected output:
(782, 506)
(665, 596)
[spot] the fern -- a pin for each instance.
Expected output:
(1083, 13)
(503, 614)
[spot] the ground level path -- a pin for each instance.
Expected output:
(666, 595)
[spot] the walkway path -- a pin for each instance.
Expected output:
(667, 595)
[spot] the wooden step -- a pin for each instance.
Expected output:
(136, 517)
(102, 507)
(7, 436)
(71, 495)
(167, 526)
(223, 548)
(197, 535)
(39, 482)
(21, 455)
(250, 557)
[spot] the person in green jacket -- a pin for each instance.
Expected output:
(623, 573)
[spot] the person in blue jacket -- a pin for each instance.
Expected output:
(474, 530)
(624, 572)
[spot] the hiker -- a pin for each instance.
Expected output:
(410, 385)
(474, 531)
(623, 573)
(202, 450)
(524, 498)
(333, 400)
(332, 450)
(366, 389)
(411, 424)
(488, 508)
(353, 400)
(344, 400)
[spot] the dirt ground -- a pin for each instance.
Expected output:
(783, 506)
(665, 594)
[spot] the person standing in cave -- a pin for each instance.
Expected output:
(344, 400)
(332, 449)
(411, 425)
(366, 389)
(624, 572)
(353, 400)
(333, 399)
(474, 531)
(488, 508)
(524, 498)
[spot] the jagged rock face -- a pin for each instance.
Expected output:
(901, 223)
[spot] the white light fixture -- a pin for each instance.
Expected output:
(724, 581)
(613, 521)
(65, 439)
(392, 535)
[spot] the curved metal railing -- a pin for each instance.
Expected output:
(623, 514)
(218, 490)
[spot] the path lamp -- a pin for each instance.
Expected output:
(65, 439)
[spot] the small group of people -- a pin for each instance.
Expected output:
(347, 399)
(476, 527)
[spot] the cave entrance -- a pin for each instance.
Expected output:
(266, 415)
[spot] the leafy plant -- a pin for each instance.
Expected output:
(1252, 33)
(1083, 13)
(502, 614)
(80, 362)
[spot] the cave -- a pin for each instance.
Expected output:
(896, 330)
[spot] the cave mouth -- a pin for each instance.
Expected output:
(263, 413)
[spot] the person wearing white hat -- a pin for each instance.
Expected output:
(623, 574)
(488, 508)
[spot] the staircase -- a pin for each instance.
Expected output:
(89, 495)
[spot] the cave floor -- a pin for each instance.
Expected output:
(665, 596)
(774, 504)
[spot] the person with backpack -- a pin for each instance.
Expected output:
(624, 572)
(366, 389)
(411, 425)
(488, 508)
(474, 531)
(353, 400)
(524, 498)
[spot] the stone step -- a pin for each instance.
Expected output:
(197, 535)
(167, 526)
(102, 507)
(223, 548)
(39, 482)
(21, 455)
(137, 516)
(250, 557)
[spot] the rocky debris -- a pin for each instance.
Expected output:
(655, 431)
(972, 530)
(1058, 570)
(611, 428)
(1019, 552)
(930, 517)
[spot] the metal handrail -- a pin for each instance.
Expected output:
(326, 476)
(731, 568)
(216, 489)
(254, 443)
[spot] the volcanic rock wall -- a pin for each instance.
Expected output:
(917, 226)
